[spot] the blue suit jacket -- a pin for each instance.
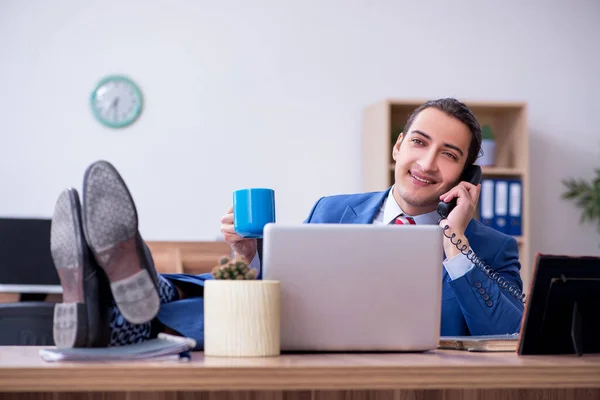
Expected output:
(471, 304)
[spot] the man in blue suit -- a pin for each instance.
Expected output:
(112, 294)
(440, 140)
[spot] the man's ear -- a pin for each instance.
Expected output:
(396, 147)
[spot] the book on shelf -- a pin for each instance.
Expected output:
(500, 205)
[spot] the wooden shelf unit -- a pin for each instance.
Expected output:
(508, 120)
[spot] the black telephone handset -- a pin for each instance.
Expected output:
(473, 174)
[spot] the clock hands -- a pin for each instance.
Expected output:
(115, 106)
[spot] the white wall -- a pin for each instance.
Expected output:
(270, 93)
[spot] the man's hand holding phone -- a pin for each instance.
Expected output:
(467, 195)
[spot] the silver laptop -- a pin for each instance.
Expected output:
(356, 287)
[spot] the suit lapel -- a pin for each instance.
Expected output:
(365, 212)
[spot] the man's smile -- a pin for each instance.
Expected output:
(421, 178)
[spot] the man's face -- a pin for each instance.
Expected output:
(429, 160)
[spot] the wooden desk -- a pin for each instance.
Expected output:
(435, 375)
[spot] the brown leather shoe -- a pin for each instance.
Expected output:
(82, 319)
(110, 225)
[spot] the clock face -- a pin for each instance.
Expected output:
(116, 101)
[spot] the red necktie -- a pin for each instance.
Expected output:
(403, 220)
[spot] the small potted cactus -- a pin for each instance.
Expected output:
(237, 269)
(241, 313)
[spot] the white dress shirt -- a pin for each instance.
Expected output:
(456, 266)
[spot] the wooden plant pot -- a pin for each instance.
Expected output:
(241, 318)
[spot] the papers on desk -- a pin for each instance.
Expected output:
(164, 345)
(507, 342)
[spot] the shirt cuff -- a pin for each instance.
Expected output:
(255, 263)
(457, 266)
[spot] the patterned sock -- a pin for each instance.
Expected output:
(123, 332)
(166, 290)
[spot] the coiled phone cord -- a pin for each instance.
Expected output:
(478, 262)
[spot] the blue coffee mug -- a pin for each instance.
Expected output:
(252, 210)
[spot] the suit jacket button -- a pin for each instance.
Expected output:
(486, 296)
(477, 284)
(481, 290)
(489, 303)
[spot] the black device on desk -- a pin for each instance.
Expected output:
(561, 315)
(473, 174)
(26, 264)
(27, 268)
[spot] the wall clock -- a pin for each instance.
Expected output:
(116, 101)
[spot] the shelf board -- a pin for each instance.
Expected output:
(500, 171)
(494, 106)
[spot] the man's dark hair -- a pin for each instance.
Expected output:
(460, 111)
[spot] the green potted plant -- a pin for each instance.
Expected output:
(241, 313)
(586, 195)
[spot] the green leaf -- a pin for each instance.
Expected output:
(585, 195)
